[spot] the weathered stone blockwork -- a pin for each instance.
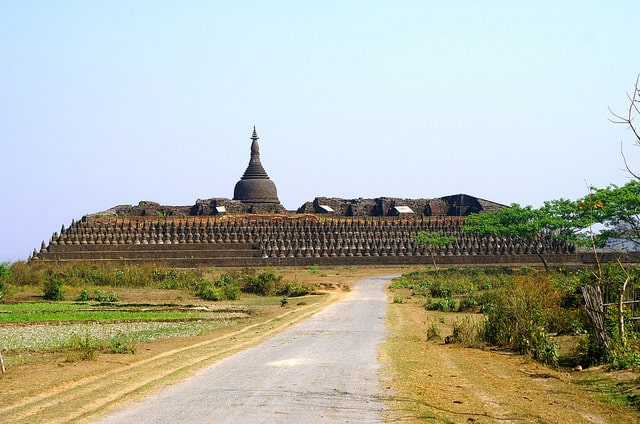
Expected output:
(282, 240)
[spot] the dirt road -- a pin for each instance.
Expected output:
(321, 371)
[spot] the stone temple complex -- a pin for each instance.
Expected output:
(253, 230)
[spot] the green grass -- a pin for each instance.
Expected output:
(73, 312)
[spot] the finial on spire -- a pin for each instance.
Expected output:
(254, 136)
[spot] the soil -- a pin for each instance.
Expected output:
(429, 381)
(446, 382)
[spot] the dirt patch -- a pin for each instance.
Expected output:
(438, 382)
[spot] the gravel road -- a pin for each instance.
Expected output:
(323, 370)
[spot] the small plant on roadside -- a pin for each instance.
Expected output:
(468, 331)
(445, 305)
(81, 348)
(433, 331)
(398, 299)
(284, 302)
(313, 269)
(122, 343)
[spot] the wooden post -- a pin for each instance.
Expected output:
(2, 364)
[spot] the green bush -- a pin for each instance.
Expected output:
(224, 288)
(84, 296)
(209, 291)
(122, 343)
(294, 289)
(5, 278)
(53, 290)
(521, 317)
(265, 283)
(624, 361)
(81, 348)
(447, 304)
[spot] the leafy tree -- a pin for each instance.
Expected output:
(556, 220)
(430, 240)
(617, 209)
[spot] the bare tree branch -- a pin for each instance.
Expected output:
(633, 111)
(626, 165)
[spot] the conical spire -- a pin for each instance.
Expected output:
(255, 168)
(255, 185)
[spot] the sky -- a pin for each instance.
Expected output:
(106, 103)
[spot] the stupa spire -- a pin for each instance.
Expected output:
(255, 185)
(255, 169)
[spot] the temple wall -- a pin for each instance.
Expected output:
(280, 240)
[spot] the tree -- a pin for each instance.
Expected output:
(633, 111)
(430, 240)
(557, 220)
(617, 209)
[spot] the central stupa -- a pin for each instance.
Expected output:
(255, 188)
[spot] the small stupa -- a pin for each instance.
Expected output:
(255, 189)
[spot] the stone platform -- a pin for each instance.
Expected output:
(283, 240)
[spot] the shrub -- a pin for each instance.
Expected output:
(521, 316)
(398, 299)
(433, 331)
(84, 296)
(445, 305)
(264, 283)
(53, 290)
(628, 360)
(468, 331)
(5, 278)
(468, 303)
(81, 348)
(224, 288)
(209, 291)
(122, 343)
(294, 289)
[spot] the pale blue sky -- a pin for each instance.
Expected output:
(104, 103)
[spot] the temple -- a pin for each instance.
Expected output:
(255, 190)
(253, 229)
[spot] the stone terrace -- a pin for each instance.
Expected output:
(283, 240)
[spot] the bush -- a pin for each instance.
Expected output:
(81, 348)
(122, 343)
(445, 305)
(433, 332)
(53, 290)
(5, 278)
(521, 317)
(84, 296)
(209, 291)
(294, 289)
(224, 288)
(265, 283)
(468, 331)
(629, 360)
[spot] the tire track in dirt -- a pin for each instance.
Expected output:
(86, 396)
